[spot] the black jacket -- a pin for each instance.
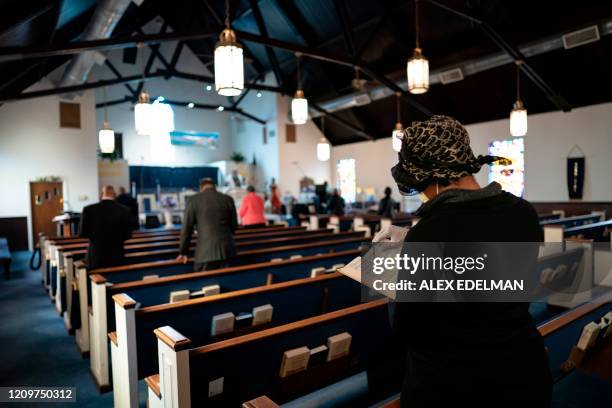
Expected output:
(214, 214)
(107, 225)
(335, 205)
(131, 203)
(385, 207)
(469, 353)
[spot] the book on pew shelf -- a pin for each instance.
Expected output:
(295, 257)
(262, 314)
(243, 319)
(335, 267)
(314, 272)
(603, 328)
(215, 387)
(338, 345)
(318, 355)
(294, 361)
(276, 260)
(147, 277)
(179, 295)
(211, 290)
(222, 323)
(588, 336)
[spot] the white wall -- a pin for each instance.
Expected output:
(247, 137)
(33, 145)
(137, 148)
(299, 156)
(550, 138)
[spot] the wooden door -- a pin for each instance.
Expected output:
(46, 201)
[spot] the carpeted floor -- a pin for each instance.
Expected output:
(36, 349)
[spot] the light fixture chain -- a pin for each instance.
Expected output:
(105, 105)
(227, 14)
(416, 22)
(518, 82)
(397, 103)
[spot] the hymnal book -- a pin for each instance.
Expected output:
(335, 267)
(179, 295)
(608, 317)
(211, 290)
(147, 277)
(338, 345)
(262, 314)
(588, 336)
(295, 256)
(314, 272)
(243, 319)
(318, 355)
(294, 361)
(222, 323)
(276, 260)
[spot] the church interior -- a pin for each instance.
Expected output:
(188, 184)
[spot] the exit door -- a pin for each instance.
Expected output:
(46, 201)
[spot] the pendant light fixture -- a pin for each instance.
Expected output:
(418, 66)
(229, 61)
(142, 109)
(323, 147)
(106, 135)
(299, 104)
(398, 132)
(518, 115)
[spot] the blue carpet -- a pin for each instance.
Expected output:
(36, 348)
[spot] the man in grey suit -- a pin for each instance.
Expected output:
(214, 214)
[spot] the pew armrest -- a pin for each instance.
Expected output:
(260, 402)
(173, 339)
(124, 301)
(97, 279)
(152, 382)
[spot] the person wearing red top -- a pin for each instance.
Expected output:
(252, 209)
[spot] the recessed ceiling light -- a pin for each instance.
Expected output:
(209, 87)
(259, 94)
(190, 105)
(220, 108)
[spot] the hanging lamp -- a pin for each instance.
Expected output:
(299, 104)
(417, 68)
(518, 115)
(323, 147)
(229, 61)
(398, 132)
(106, 135)
(142, 110)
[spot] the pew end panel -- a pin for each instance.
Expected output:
(124, 353)
(81, 334)
(174, 378)
(98, 355)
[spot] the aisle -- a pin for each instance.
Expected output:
(36, 349)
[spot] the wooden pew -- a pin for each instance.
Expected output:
(171, 267)
(549, 216)
(62, 275)
(325, 293)
(222, 366)
(595, 216)
(560, 336)
(151, 292)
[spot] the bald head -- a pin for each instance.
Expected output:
(108, 193)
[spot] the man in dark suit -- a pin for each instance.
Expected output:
(107, 226)
(130, 202)
(214, 215)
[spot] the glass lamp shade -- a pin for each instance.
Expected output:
(518, 120)
(396, 137)
(106, 139)
(299, 108)
(418, 73)
(323, 150)
(229, 65)
(143, 115)
(162, 118)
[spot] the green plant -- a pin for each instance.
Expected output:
(237, 157)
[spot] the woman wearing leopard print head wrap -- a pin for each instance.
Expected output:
(465, 354)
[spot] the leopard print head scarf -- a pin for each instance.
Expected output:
(436, 149)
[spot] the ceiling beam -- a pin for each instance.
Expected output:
(263, 31)
(78, 88)
(358, 131)
(347, 30)
(211, 80)
(118, 75)
(554, 97)
(299, 23)
(115, 102)
(34, 14)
